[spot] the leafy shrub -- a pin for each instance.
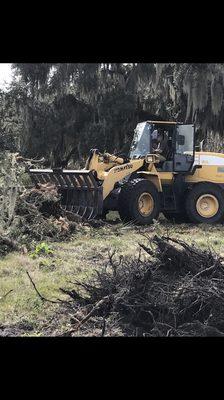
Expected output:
(42, 249)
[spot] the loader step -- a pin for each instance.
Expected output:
(168, 198)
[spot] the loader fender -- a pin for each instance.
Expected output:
(191, 185)
(154, 178)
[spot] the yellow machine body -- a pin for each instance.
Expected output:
(212, 170)
(90, 191)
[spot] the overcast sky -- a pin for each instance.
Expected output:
(5, 74)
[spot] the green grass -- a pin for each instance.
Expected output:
(77, 259)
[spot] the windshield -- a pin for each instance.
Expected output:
(140, 146)
(186, 141)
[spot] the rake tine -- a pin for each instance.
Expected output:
(85, 209)
(91, 214)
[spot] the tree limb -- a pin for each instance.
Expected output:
(39, 294)
(3, 297)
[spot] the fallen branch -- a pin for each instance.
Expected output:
(21, 159)
(5, 295)
(103, 327)
(39, 294)
(91, 313)
(207, 271)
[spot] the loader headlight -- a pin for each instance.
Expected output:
(149, 158)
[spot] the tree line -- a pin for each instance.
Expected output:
(61, 111)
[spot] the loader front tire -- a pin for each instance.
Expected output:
(139, 202)
(205, 204)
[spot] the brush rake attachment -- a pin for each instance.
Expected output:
(80, 192)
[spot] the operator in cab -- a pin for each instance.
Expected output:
(161, 147)
(154, 139)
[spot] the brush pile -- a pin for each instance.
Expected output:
(177, 291)
(40, 215)
(29, 214)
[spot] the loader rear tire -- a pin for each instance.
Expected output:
(139, 202)
(205, 204)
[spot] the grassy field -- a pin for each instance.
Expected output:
(23, 313)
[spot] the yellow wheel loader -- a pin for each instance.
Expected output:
(185, 185)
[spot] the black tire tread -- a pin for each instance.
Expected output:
(126, 196)
(122, 203)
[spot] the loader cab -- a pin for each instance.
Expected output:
(179, 154)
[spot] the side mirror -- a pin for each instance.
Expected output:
(181, 140)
